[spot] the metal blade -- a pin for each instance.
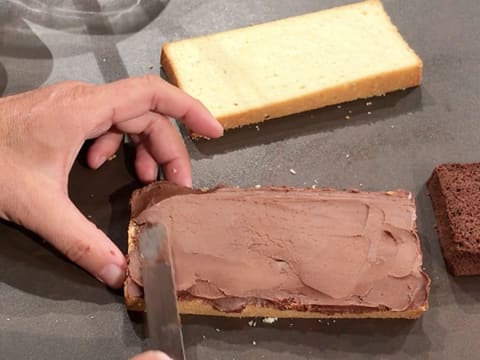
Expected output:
(163, 320)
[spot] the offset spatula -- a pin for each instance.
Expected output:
(163, 321)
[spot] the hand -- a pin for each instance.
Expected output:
(42, 131)
(152, 355)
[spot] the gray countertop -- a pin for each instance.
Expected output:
(50, 309)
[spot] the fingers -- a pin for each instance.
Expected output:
(166, 146)
(159, 143)
(103, 148)
(63, 226)
(128, 99)
(152, 355)
(145, 165)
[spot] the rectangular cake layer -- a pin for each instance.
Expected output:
(285, 252)
(455, 193)
(266, 71)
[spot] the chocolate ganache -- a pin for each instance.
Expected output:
(291, 248)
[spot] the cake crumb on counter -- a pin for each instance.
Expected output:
(269, 320)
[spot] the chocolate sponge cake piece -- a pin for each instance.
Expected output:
(455, 193)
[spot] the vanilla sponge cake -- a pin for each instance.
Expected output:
(284, 252)
(300, 63)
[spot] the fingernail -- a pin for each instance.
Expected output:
(187, 182)
(220, 127)
(100, 161)
(154, 174)
(158, 355)
(112, 275)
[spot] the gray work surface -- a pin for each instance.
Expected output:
(50, 309)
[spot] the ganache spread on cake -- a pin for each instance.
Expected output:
(300, 249)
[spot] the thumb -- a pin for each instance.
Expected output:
(152, 355)
(59, 222)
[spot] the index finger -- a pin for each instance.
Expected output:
(130, 98)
